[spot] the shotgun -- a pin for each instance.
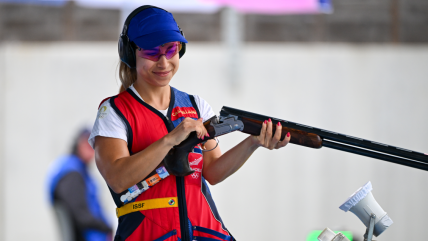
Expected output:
(230, 120)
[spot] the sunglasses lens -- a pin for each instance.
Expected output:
(171, 51)
(151, 54)
(154, 54)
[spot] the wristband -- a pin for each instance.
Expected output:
(137, 189)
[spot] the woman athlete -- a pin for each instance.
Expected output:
(135, 129)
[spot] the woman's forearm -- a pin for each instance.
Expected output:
(219, 167)
(222, 167)
(122, 171)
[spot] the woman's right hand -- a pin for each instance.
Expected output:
(183, 130)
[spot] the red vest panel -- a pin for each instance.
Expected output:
(146, 125)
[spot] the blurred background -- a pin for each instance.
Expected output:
(353, 67)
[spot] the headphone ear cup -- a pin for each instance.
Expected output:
(183, 50)
(183, 45)
(126, 51)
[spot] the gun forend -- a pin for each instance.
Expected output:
(298, 137)
(253, 124)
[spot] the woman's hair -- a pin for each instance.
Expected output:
(127, 76)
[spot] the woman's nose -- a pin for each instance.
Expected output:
(162, 62)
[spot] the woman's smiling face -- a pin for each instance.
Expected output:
(157, 73)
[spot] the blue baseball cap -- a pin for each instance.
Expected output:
(153, 27)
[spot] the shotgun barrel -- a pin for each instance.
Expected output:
(316, 138)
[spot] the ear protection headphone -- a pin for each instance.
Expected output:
(126, 48)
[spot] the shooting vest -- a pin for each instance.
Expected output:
(72, 163)
(195, 217)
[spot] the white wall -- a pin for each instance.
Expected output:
(2, 143)
(376, 92)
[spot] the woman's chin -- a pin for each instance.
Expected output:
(160, 82)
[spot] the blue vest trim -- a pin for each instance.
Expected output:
(206, 192)
(212, 232)
(168, 235)
(196, 238)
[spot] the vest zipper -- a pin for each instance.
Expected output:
(181, 198)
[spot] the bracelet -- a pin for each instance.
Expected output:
(216, 139)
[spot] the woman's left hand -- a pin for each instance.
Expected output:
(268, 141)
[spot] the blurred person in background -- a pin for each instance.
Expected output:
(73, 194)
(135, 129)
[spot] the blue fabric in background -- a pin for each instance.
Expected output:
(71, 163)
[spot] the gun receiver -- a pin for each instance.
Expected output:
(176, 161)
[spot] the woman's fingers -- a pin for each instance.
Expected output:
(200, 129)
(183, 130)
(284, 142)
(276, 137)
(268, 136)
(261, 137)
(272, 141)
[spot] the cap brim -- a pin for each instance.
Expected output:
(158, 38)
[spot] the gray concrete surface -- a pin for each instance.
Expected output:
(32, 22)
(364, 21)
(376, 92)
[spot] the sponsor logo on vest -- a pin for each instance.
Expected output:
(197, 169)
(171, 202)
(196, 161)
(178, 112)
(195, 175)
(138, 205)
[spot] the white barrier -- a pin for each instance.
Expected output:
(376, 92)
